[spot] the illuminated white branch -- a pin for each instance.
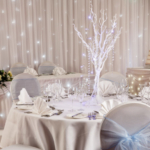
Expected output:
(102, 43)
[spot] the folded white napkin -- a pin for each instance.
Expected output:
(24, 97)
(106, 106)
(30, 71)
(56, 87)
(59, 71)
(41, 108)
(105, 88)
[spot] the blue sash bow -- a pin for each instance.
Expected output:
(115, 136)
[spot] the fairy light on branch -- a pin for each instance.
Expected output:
(102, 42)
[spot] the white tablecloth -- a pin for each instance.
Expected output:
(6, 102)
(53, 133)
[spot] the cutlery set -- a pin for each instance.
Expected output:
(91, 115)
(53, 108)
(52, 115)
(77, 114)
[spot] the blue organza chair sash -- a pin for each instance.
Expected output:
(115, 136)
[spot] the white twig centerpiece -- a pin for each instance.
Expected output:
(102, 42)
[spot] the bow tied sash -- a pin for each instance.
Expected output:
(115, 136)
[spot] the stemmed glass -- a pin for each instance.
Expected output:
(59, 92)
(81, 98)
(71, 92)
(124, 96)
(81, 95)
(148, 91)
(44, 94)
(47, 93)
(142, 92)
(116, 88)
(57, 88)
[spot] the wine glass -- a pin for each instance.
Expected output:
(59, 92)
(71, 96)
(81, 96)
(116, 88)
(142, 92)
(47, 92)
(148, 91)
(124, 95)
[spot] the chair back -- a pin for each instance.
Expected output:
(46, 68)
(18, 68)
(27, 81)
(132, 117)
(113, 77)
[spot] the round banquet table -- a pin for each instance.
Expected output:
(52, 133)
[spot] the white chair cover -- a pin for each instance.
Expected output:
(17, 68)
(126, 127)
(20, 147)
(113, 77)
(27, 81)
(46, 68)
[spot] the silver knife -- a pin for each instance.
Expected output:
(77, 114)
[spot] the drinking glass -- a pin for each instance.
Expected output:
(81, 96)
(148, 91)
(143, 92)
(59, 92)
(124, 95)
(116, 88)
(71, 96)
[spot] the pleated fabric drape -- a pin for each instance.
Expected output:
(33, 31)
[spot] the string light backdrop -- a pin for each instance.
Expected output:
(32, 31)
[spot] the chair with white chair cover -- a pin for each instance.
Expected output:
(126, 127)
(113, 77)
(18, 68)
(27, 81)
(20, 147)
(46, 68)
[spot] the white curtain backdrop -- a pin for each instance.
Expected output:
(32, 31)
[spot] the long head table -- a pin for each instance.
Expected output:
(6, 101)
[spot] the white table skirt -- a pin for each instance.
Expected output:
(52, 133)
(56, 132)
(6, 102)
